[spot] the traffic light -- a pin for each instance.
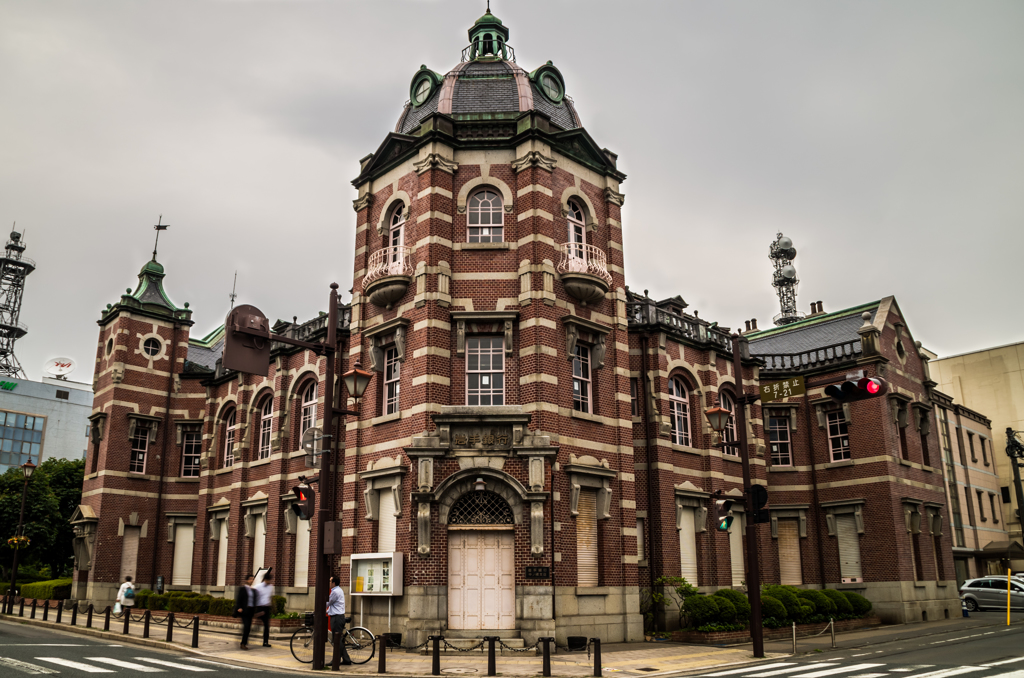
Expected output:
(305, 501)
(759, 495)
(722, 517)
(858, 389)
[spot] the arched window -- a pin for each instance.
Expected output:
(679, 411)
(396, 239)
(485, 216)
(726, 402)
(308, 418)
(488, 44)
(230, 431)
(481, 508)
(266, 424)
(577, 225)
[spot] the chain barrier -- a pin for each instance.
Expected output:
(418, 647)
(184, 626)
(118, 615)
(141, 617)
(514, 649)
(827, 627)
(459, 649)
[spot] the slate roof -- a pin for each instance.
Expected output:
(412, 117)
(205, 356)
(812, 333)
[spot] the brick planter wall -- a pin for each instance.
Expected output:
(802, 630)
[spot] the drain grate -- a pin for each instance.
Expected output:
(646, 668)
(458, 671)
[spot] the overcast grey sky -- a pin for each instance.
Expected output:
(886, 138)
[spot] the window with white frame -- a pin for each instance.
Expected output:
(230, 431)
(485, 216)
(191, 452)
(679, 411)
(485, 371)
(266, 424)
(838, 436)
(726, 402)
(577, 228)
(396, 226)
(581, 385)
(392, 380)
(140, 445)
(778, 436)
(308, 418)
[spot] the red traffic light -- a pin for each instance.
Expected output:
(851, 391)
(872, 386)
(305, 502)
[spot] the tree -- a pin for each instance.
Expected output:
(46, 513)
(64, 477)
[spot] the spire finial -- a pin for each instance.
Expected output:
(233, 295)
(488, 6)
(160, 226)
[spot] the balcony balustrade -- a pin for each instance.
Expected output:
(388, 275)
(584, 271)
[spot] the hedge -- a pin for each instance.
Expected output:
(785, 595)
(701, 609)
(726, 611)
(772, 608)
(822, 603)
(843, 605)
(197, 604)
(277, 604)
(54, 589)
(861, 605)
(224, 607)
(738, 600)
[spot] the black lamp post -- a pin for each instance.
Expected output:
(27, 468)
(719, 420)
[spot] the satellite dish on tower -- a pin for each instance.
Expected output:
(59, 367)
(788, 272)
(784, 243)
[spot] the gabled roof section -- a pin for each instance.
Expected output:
(815, 332)
(580, 146)
(393, 149)
(149, 299)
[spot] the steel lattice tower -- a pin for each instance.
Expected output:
(14, 268)
(782, 253)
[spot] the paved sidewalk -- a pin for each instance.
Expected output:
(627, 659)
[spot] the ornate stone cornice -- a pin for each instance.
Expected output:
(614, 197)
(436, 161)
(362, 202)
(534, 159)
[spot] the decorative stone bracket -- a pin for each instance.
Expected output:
(534, 159)
(934, 512)
(436, 161)
(136, 420)
(922, 418)
(133, 521)
(577, 329)
(97, 427)
(183, 426)
(484, 322)
(798, 511)
(823, 407)
(179, 519)
(377, 336)
(587, 471)
(254, 507)
(219, 515)
(788, 410)
(84, 522)
(899, 405)
(689, 496)
(614, 197)
(834, 508)
(384, 474)
(912, 515)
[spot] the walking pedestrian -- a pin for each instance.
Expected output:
(126, 594)
(264, 601)
(244, 600)
(336, 611)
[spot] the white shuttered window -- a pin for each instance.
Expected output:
(182, 572)
(222, 553)
(790, 568)
(130, 551)
(259, 546)
(302, 553)
(688, 547)
(736, 549)
(586, 539)
(849, 546)
(386, 522)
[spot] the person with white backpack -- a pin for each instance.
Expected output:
(126, 594)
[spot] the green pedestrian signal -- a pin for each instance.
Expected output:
(723, 514)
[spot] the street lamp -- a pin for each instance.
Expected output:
(27, 468)
(718, 417)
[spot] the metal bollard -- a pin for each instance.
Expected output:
(127, 612)
(545, 644)
(336, 655)
(88, 617)
(33, 615)
(597, 656)
(435, 652)
(170, 626)
(145, 625)
(21, 610)
(832, 625)
(74, 614)
(46, 610)
(491, 668)
(794, 637)
(382, 661)
(106, 619)
(60, 609)
(195, 631)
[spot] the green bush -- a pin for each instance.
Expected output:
(785, 595)
(157, 601)
(807, 611)
(701, 610)
(842, 604)
(861, 605)
(738, 600)
(726, 611)
(720, 626)
(54, 589)
(822, 604)
(277, 604)
(197, 604)
(142, 598)
(184, 594)
(772, 608)
(224, 607)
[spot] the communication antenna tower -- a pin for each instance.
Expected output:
(782, 253)
(14, 268)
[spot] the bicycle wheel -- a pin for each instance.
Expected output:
(302, 645)
(359, 644)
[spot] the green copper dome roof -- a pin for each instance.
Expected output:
(488, 18)
(152, 267)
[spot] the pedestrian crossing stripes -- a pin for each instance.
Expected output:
(52, 665)
(828, 669)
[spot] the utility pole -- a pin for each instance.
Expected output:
(1015, 451)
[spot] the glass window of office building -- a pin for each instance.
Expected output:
(22, 439)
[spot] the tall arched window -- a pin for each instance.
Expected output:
(577, 226)
(266, 424)
(679, 411)
(396, 238)
(726, 402)
(485, 216)
(308, 418)
(230, 431)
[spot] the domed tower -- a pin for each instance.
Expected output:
(489, 300)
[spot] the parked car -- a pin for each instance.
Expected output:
(990, 593)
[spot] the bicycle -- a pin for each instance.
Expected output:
(359, 642)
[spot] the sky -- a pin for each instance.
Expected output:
(885, 138)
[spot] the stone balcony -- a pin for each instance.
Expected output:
(584, 272)
(388, 275)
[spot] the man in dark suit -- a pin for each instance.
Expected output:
(244, 608)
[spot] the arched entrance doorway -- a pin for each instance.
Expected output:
(481, 563)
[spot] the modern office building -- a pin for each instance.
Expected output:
(43, 419)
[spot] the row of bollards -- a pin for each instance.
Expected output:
(492, 641)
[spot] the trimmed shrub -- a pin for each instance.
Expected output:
(701, 610)
(738, 600)
(772, 608)
(861, 605)
(822, 604)
(726, 611)
(785, 595)
(224, 607)
(156, 601)
(842, 604)
(141, 598)
(184, 594)
(53, 589)
(197, 604)
(277, 604)
(807, 612)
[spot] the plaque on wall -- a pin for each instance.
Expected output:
(533, 572)
(481, 437)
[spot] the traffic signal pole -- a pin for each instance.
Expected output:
(753, 568)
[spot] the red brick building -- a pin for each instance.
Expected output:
(532, 448)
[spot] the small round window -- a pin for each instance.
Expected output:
(152, 346)
(552, 89)
(421, 92)
(110, 347)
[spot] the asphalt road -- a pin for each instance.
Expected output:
(30, 650)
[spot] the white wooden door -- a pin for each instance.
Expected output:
(849, 546)
(259, 545)
(736, 549)
(130, 552)
(481, 580)
(790, 568)
(688, 547)
(181, 574)
(386, 522)
(302, 553)
(222, 553)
